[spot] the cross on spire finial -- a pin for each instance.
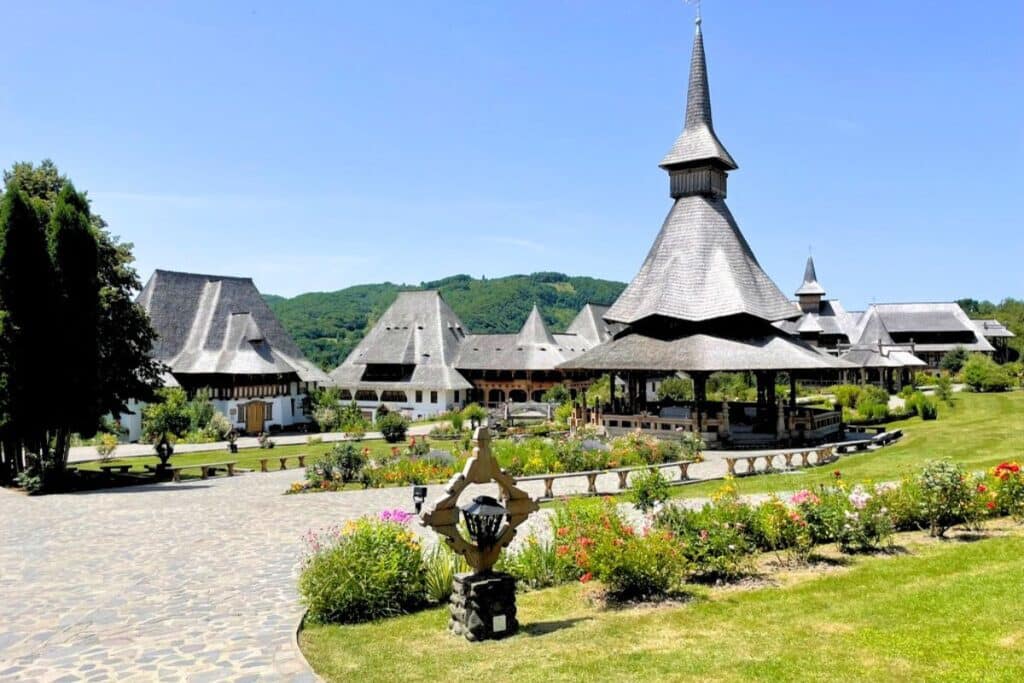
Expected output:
(696, 3)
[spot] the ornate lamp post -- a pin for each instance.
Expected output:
(483, 603)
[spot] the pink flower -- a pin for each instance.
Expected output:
(803, 497)
(859, 497)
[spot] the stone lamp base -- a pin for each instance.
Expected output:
(483, 606)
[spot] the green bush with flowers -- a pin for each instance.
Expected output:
(593, 541)
(1008, 495)
(716, 540)
(949, 496)
(368, 569)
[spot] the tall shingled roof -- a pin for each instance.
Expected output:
(534, 332)
(698, 142)
(810, 286)
(419, 330)
(213, 324)
(700, 266)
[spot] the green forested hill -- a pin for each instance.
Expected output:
(327, 325)
(1009, 312)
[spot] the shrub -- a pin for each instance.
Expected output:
(219, 426)
(169, 415)
(866, 523)
(981, 373)
(717, 540)
(847, 395)
(326, 418)
(457, 421)
(534, 565)
(1009, 490)
(106, 444)
(649, 489)
(873, 394)
(675, 389)
(372, 569)
(780, 528)
(475, 413)
(954, 360)
(926, 408)
(904, 503)
(563, 413)
(556, 394)
(947, 496)
(944, 388)
(343, 462)
(871, 411)
(393, 427)
(647, 567)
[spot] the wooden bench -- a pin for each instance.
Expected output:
(859, 445)
(283, 461)
(123, 469)
(592, 475)
(204, 469)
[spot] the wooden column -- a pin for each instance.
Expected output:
(792, 390)
(700, 385)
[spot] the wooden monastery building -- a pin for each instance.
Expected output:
(700, 304)
(890, 340)
(217, 334)
(420, 360)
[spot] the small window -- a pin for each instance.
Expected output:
(419, 397)
(456, 397)
(433, 397)
(269, 415)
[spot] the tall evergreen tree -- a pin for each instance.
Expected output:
(73, 253)
(91, 343)
(27, 302)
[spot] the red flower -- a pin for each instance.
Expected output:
(586, 577)
(991, 505)
(837, 474)
(562, 531)
(561, 550)
(982, 488)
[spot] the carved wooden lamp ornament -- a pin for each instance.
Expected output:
(483, 602)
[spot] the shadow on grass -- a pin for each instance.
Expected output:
(543, 628)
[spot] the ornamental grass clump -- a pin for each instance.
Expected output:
(367, 570)
(534, 564)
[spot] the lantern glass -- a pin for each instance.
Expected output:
(483, 520)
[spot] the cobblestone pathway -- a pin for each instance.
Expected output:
(192, 581)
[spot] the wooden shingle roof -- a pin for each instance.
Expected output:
(213, 324)
(698, 142)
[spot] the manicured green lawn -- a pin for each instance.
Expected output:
(944, 611)
(979, 431)
(249, 458)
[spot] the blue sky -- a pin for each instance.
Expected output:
(315, 145)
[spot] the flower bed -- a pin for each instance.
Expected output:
(416, 464)
(374, 567)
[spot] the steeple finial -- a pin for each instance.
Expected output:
(698, 146)
(810, 286)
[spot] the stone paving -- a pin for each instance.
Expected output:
(193, 581)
